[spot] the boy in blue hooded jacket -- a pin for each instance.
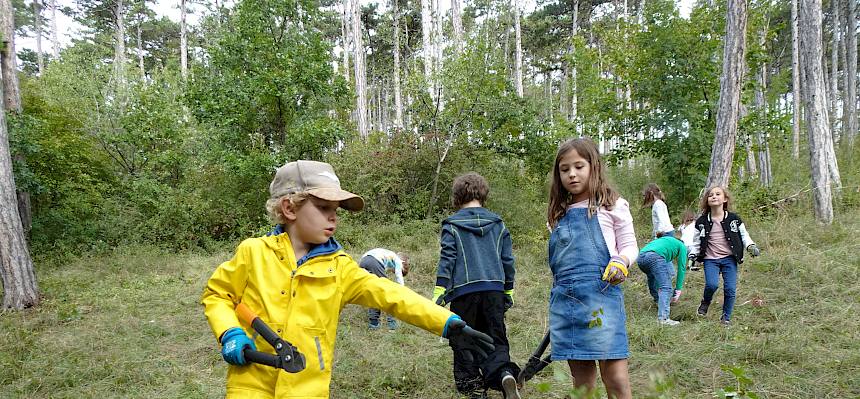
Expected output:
(475, 275)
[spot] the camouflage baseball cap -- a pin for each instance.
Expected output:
(314, 178)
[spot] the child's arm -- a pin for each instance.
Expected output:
(507, 258)
(365, 289)
(681, 261)
(224, 290)
(696, 242)
(398, 271)
(625, 236)
(745, 236)
(447, 260)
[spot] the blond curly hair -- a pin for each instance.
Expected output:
(274, 210)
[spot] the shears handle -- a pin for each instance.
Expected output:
(288, 356)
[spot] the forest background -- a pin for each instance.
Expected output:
(142, 152)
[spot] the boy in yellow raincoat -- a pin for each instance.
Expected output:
(297, 280)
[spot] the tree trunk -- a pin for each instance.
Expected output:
(37, 25)
(140, 64)
(573, 70)
(850, 103)
(16, 267)
(345, 23)
(457, 22)
(834, 71)
(54, 33)
(795, 84)
(734, 53)
(8, 62)
(815, 102)
(427, 42)
(360, 74)
(398, 102)
(183, 39)
(518, 66)
(765, 172)
(119, 44)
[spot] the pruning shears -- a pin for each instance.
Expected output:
(288, 357)
(536, 363)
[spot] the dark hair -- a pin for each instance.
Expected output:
(652, 193)
(600, 193)
(703, 203)
(469, 187)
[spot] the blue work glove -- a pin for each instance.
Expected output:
(477, 344)
(233, 342)
(754, 251)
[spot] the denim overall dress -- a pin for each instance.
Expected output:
(586, 314)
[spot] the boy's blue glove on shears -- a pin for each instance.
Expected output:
(233, 342)
(616, 270)
(463, 336)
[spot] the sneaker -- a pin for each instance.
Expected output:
(509, 386)
(668, 322)
(373, 326)
(695, 267)
(392, 325)
(725, 322)
(703, 309)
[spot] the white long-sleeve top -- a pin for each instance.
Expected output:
(660, 218)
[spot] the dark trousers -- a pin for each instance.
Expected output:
(485, 312)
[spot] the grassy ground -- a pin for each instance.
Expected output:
(127, 324)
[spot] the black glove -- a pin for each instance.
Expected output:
(475, 342)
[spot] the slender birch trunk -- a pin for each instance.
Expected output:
(518, 66)
(815, 102)
(427, 43)
(140, 64)
(37, 25)
(54, 33)
(850, 103)
(183, 39)
(398, 102)
(574, 99)
(834, 71)
(457, 22)
(734, 62)
(360, 73)
(345, 23)
(795, 84)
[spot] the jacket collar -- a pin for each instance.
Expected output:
(327, 248)
(725, 215)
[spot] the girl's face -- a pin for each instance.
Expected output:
(716, 198)
(574, 172)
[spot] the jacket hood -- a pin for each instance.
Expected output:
(475, 220)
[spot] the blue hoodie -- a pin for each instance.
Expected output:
(476, 254)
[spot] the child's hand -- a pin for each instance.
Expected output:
(616, 271)
(754, 251)
(438, 295)
(677, 296)
(509, 299)
(233, 343)
(476, 344)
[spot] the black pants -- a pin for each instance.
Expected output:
(485, 312)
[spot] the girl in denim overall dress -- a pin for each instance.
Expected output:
(590, 249)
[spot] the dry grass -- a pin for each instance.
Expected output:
(128, 325)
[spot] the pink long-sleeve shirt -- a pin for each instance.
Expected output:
(617, 228)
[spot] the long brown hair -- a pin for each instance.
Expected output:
(703, 203)
(600, 193)
(652, 193)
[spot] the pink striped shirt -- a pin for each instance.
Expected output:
(617, 228)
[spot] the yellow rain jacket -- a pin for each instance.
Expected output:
(301, 301)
